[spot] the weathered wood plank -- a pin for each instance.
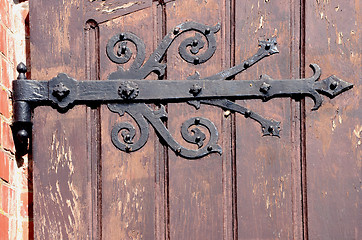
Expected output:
(334, 132)
(61, 186)
(200, 203)
(102, 11)
(128, 179)
(268, 168)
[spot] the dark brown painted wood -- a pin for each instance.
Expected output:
(199, 199)
(303, 184)
(61, 188)
(268, 168)
(102, 11)
(128, 180)
(334, 133)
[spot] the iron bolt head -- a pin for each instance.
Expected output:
(270, 129)
(198, 139)
(128, 90)
(264, 88)
(267, 46)
(196, 60)
(333, 85)
(121, 36)
(246, 64)
(207, 30)
(128, 148)
(176, 31)
(121, 49)
(247, 113)
(195, 42)
(197, 120)
(60, 91)
(195, 89)
(209, 148)
(178, 150)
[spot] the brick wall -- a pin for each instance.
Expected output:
(15, 181)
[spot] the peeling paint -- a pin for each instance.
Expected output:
(261, 22)
(358, 133)
(340, 38)
(107, 9)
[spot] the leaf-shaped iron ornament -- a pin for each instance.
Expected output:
(127, 91)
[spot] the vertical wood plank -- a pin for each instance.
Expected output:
(91, 41)
(61, 186)
(128, 179)
(268, 168)
(334, 150)
(200, 197)
(161, 157)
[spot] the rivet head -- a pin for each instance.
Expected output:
(333, 85)
(267, 46)
(196, 60)
(128, 90)
(127, 138)
(246, 64)
(128, 149)
(176, 30)
(178, 150)
(60, 91)
(198, 139)
(264, 88)
(207, 30)
(270, 129)
(195, 42)
(197, 120)
(209, 148)
(247, 113)
(195, 89)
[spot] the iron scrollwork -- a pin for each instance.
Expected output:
(127, 91)
(118, 52)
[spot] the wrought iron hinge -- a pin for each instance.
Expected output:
(126, 91)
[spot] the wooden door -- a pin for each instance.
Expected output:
(300, 185)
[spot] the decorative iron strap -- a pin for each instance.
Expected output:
(126, 91)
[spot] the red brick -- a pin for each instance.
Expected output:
(4, 104)
(11, 53)
(4, 12)
(3, 41)
(12, 203)
(26, 208)
(7, 141)
(4, 227)
(4, 191)
(5, 78)
(4, 166)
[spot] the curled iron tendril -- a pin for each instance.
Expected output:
(188, 49)
(140, 112)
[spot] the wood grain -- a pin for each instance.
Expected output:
(128, 179)
(268, 168)
(334, 150)
(61, 187)
(196, 194)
